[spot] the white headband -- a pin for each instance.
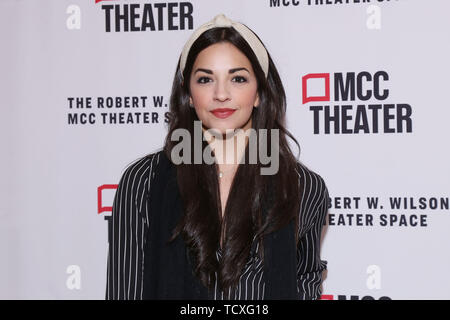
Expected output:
(222, 21)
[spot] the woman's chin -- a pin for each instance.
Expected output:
(221, 128)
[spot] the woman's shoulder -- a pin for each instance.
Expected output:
(310, 177)
(312, 183)
(140, 171)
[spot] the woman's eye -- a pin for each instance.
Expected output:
(203, 80)
(239, 79)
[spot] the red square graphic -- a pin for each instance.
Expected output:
(325, 97)
(100, 189)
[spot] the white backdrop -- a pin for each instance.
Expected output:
(386, 111)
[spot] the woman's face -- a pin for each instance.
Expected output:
(223, 78)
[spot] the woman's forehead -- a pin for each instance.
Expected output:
(221, 55)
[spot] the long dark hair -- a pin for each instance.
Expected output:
(202, 226)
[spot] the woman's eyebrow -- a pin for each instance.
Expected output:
(204, 70)
(237, 69)
(229, 71)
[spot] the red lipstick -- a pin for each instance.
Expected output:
(223, 113)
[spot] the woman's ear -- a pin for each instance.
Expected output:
(256, 103)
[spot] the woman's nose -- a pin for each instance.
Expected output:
(221, 92)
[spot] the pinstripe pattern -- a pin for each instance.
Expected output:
(130, 220)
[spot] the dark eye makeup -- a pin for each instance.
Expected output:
(238, 79)
(203, 80)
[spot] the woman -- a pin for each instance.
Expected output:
(201, 230)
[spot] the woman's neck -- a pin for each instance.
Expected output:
(228, 149)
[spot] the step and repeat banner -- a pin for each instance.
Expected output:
(85, 86)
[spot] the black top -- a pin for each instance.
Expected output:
(130, 221)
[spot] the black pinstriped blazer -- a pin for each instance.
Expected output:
(130, 225)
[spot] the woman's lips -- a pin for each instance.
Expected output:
(223, 113)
